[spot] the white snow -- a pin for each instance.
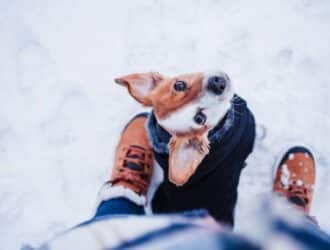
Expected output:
(61, 112)
(285, 176)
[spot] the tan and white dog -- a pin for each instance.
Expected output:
(187, 106)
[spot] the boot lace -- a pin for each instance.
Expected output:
(298, 194)
(134, 167)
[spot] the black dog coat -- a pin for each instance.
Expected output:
(214, 184)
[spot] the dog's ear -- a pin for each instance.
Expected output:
(140, 85)
(186, 153)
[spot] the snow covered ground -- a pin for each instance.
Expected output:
(61, 113)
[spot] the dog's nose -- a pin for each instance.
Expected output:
(217, 84)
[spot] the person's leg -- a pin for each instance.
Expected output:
(117, 206)
(125, 191)
(306, 233)
(285, 219)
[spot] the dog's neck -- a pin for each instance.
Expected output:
(160, 137)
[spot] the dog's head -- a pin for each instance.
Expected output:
(187, 106)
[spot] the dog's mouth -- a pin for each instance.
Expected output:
(200, 117)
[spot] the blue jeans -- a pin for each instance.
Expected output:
(118, 206)
(114, 207)
(309, 235)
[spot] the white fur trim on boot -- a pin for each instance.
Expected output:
(108, 192)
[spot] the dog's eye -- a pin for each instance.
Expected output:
(180, 86)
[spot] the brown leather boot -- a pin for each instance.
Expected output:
(295, 177)
(133, 164)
